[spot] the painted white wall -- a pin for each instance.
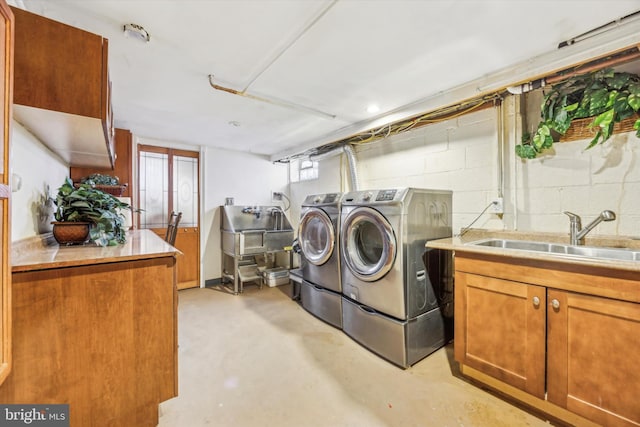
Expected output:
(249, 179)
(37, 166)
(331, 180)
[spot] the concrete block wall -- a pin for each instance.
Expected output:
(462, 155)
(458, 155)
(584, 182)
(572, 178)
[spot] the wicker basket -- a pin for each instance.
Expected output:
(71, 233)
(114, 190)
(580, 128)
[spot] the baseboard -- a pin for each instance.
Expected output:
(213, 282)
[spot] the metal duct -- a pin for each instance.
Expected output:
(351, 158)
(353, 167)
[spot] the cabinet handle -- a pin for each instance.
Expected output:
(555, 304)
(536, 301)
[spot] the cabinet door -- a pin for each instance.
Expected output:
(58, 67)
(188, 264)
(593, 349)
(500, 330)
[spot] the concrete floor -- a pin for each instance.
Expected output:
(259, 359)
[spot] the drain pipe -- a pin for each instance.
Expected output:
(347, 149)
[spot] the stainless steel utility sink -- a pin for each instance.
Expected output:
(619, 254)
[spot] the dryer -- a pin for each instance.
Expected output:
(391, 301)
(320, 257)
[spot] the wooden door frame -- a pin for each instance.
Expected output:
(170, 152)
(183, 229)
(5, 194)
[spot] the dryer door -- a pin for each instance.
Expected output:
(368, 244)
(316, 236)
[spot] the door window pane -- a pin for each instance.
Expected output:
(185, 189)
(154, 191)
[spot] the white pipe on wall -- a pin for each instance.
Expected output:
(500, 129)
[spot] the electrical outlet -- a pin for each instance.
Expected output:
(276, 196)
(497, 206)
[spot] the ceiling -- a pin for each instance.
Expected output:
(308, 69)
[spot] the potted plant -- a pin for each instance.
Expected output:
(107, 183)
(93, 212)
(607, 96)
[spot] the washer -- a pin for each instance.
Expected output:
(391, 302)
(320, 257)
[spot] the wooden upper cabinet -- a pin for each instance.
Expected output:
(6, 68)
(62, 91)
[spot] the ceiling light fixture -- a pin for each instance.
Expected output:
(373, 108)
(137, 32)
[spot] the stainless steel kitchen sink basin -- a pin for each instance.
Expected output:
(620, 254)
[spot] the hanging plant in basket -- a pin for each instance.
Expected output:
(107, 183)
(607, 96)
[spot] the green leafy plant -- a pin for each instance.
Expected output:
(607, 96)
(87, 204)
(100, 179)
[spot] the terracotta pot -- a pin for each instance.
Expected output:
(71, 233)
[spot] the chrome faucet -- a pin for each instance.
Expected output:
(577, 233)
(252, 210)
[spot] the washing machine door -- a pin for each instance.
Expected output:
(368, 244)
(316, 236)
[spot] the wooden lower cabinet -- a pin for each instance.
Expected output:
(563, 340)
(188, 265)
(102, 338)
(593, 348)
(188, 241)
(504, 332)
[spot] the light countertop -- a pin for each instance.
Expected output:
(461, 244)
(43, 252)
